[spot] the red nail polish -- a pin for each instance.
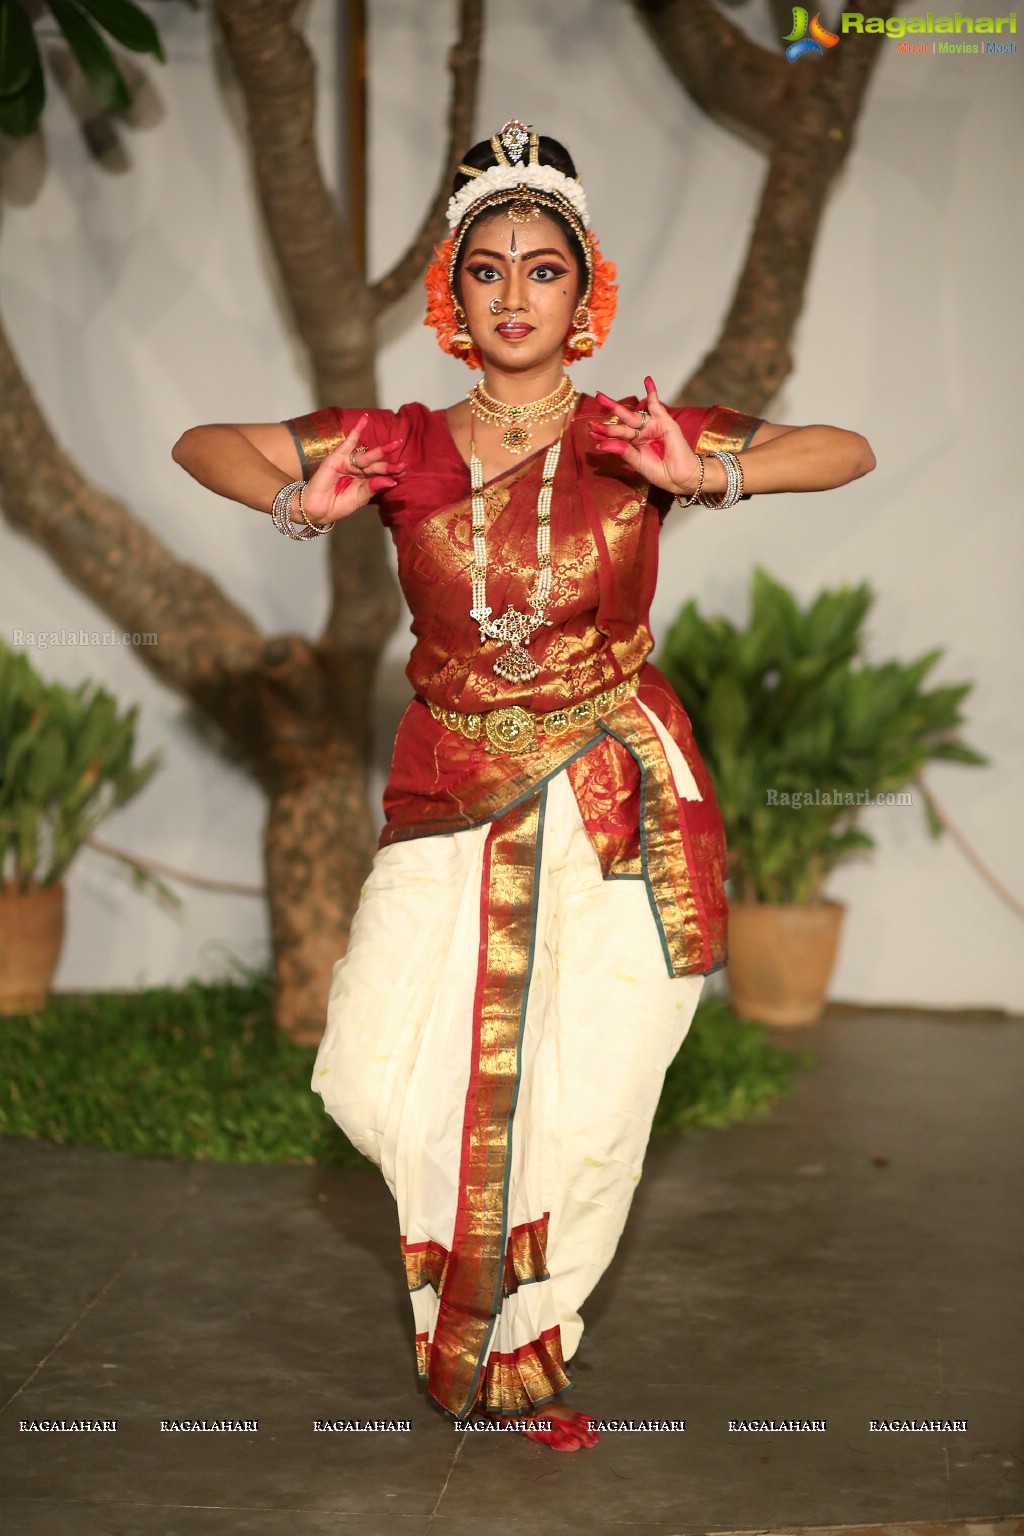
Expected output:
(649, 384)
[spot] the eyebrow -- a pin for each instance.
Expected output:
(523, 255)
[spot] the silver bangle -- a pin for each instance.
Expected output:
(733, 481)
(282, 509)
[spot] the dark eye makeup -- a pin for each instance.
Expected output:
(544, 272)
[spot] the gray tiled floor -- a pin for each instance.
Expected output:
(856, 1256)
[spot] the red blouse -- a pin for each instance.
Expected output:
(605, 523)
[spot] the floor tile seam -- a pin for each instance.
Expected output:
(460, 1441)
(111, 1504)
(196, 1177)
(954, 1524)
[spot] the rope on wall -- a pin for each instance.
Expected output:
(970, 853)
(168, 871)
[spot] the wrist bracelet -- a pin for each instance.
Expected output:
(281, 514)
(318, 528)
(690, 501)
(733, 482)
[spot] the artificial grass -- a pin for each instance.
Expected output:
(200, 1073)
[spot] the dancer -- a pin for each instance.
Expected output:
(548, 891)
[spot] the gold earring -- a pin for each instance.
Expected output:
(582, 339)
(462, 341)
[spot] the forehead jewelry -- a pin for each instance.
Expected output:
(513, 630)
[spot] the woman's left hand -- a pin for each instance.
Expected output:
(658, 451)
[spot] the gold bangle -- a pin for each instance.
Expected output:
(316, 527)
(700, 482)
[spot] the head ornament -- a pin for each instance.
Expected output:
(518, 182)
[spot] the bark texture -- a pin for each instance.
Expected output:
(808, 112)
(298, 712)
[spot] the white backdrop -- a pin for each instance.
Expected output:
(142, 299)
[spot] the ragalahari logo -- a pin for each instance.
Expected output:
(800, 44)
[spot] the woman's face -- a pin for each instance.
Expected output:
(528, 270)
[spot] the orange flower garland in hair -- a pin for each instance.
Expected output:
(603, 300)
(441, 309)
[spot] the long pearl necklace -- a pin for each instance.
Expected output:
(517, 419)
(513, 629)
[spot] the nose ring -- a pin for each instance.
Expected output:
(495, 306)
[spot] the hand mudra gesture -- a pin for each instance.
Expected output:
(649, 440)
(350, 476)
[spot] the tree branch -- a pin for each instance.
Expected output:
(277, 74)
(816, 123)
(330, 301)
(207, 648)
(723, 71)
(464, 63)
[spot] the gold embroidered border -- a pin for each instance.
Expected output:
(425, 1264)
(726, 430)
(512, 1382)
(316, 435)
(526, 1254)
(471, 1296)
(664, 851)
(525, 1259)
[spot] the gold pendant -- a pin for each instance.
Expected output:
(514, 630)
(517, 439)
(516, 665)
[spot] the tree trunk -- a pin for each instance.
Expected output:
(298, 713)
(319, 837)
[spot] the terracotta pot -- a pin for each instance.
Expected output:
(31, 934)
(781, 960)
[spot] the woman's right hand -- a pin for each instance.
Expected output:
(346, 480)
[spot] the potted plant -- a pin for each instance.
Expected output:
(65, 765)
(800, 735)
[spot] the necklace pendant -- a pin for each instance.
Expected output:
(514, 630)
(516, 665)
(517, 439)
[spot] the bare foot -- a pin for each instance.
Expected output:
(566, 1421)
(569, 1430)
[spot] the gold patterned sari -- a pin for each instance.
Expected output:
(534, 933)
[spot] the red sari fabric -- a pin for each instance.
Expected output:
(605, 526)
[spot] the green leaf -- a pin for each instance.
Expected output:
(787, 704)
(20, 114)
(128, 25)
(95, 59)
(19, 54)
(727, 712)
(958, 752)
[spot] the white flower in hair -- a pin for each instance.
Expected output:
(502, 178)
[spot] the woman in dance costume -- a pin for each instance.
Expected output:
(547, 894)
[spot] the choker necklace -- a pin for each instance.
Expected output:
(514, 629)
(515, 418)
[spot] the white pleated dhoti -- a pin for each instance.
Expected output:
(497, 1036)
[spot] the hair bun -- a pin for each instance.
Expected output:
(481, 157)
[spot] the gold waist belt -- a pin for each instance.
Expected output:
(515, 729)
